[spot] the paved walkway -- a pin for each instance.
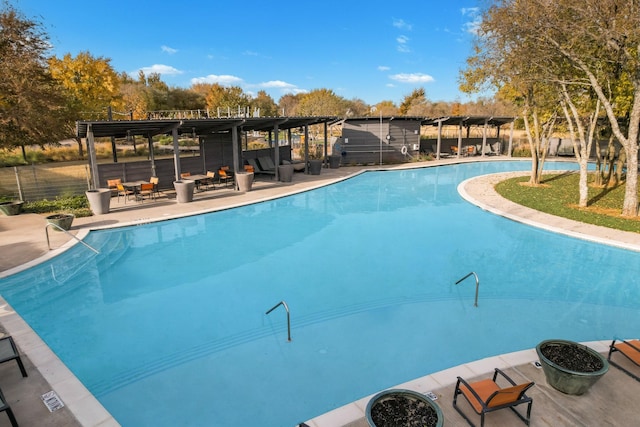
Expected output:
(23, 243)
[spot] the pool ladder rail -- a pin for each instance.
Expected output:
(46, 231)
(286, 307)
(475, 304)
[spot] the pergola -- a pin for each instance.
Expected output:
(196, 127)
(467, 122)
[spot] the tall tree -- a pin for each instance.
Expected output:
(91, 86)
(322, 102)
(265, 104)
(288, 104)
(31, 103)
(592, 42)
(414, 104)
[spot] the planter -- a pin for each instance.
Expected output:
(576, 368)
(244, 181)
(398, 407)
(62, 221)
(334, 162)
(285, 173)
(99, 200)
(184, 190)
(11, 208)
(315, 166)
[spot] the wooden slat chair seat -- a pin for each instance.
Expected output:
(147, 190)
(629, 349)
(486, 396)
(126, 193)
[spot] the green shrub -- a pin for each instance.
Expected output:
(77, 205)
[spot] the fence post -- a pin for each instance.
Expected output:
(15, 169)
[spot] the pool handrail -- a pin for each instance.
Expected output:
(286, 307)
(475, 304)
(46, 231)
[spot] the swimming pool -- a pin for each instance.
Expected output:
(167, 325)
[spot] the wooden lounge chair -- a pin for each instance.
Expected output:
(486, 396)
(629, 349)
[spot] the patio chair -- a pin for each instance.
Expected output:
(112, 184)
(486, 396)
(147, 190)
(9, 351)
(224, 177)
(454, 150)
(4, 407)
(629, 349)
(184, 175)
(155, 181)
(124, 192)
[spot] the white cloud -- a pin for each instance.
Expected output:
(276, 84)
(160, 69)
(221, 79)
(412, 78)
(168, 49)
(474, 19)
(250, 53)
(383, 68)
(402, 44)
(399, 23)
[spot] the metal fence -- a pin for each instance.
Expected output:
(38, 182)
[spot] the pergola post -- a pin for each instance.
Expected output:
(276, 152)
(484, 136)
(152, 157)
(235, 143)
(176, 152)
(326, 143)
(306, 149)
(91, 147)
(460, 139)
(439, 144)
(510, 139)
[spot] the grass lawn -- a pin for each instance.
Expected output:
(558, 195)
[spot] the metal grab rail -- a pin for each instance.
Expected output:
(475, 304)
(46, 231)
(286, 307)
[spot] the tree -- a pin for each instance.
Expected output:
(322, 102)
(386, 108)
(265, 104)
(288, 104)
(414, 104)
(91, 85)
(554, 43)
(31, 103)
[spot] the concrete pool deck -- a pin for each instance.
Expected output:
(23, 244)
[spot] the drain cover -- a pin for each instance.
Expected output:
(52, 401)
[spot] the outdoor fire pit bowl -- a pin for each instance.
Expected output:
(570, 367)
(403, 408)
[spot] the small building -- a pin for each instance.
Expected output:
(379, 140)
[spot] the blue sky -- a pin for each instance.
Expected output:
(371, 50)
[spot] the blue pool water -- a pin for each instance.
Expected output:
(167, 325)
